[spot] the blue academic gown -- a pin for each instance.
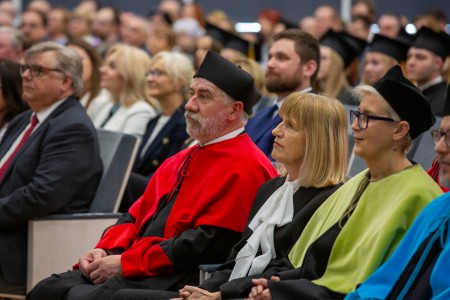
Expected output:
(380, 284)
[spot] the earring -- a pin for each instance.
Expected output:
(394, 148)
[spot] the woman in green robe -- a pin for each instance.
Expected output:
(362, 223)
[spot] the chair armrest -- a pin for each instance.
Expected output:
(206, 271)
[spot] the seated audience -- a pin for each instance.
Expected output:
(168, 78)
(57, 23)
(294, 58)
(311, 146)
(195, 206)
(49, 156)
(361, 224)
(93, 98)
(382, 54)
(33, 27)
(80, 26)
(425, 61)
(336, 54)
(419, 267)
(160, 38)
(123, 75)
(252, 67)
(11, 41)
(435, 171)
(11, 103)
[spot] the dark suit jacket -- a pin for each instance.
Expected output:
(56, 171)
(306, 202)
(167, 142)
(436, 96)
(260, 127)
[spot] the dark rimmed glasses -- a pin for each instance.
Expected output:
(37, 70)
(363, 119)
(437, 134)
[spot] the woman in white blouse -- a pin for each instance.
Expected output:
(123, 76)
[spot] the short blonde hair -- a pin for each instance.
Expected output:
(361, 90)
(178, 68)
(132, 64)
(324, 122)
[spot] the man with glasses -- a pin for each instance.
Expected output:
(419, 267)
(440, 169)
(49, 156)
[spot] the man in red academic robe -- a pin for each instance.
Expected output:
(195, 206)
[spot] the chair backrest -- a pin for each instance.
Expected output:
(117, 151)
(424, 147)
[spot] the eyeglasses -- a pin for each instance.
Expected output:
(363, 119)
(437, 134)
(155, 73)
(36, 70)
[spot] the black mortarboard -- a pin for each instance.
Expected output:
(388, 46)
(216, 33)
(230, 78)
(447, 102)
(249, 49)
(288, 24)
(358, 44)
(405, 37)
(436, 42)
(337, 42)
(407, 100)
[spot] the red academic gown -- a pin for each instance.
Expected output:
(219, 186)
(433, 171)
(161, 246)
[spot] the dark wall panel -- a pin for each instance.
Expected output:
(247, 10)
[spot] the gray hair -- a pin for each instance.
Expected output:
(178, 67)
(359, 91)
(15, 36)
(69, 62)
(363, 89)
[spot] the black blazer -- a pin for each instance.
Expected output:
(57, 170)
(167, 142)
(306, 202)
(436, 96)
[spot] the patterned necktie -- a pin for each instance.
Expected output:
(34, 122)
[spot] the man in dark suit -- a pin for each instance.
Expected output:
(292, 66)
(49, 157)
(424, 65)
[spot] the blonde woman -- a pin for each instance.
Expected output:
(123, 75)
(336, 55)
(383, 53)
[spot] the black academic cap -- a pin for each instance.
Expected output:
(216, 33)
(405, 37)
(289, 24)
(407, 100)
(249, 49)
(388, 46)
(358, 44)
(230, 78)
(436, 42)
(447, 102)
(337, 42)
